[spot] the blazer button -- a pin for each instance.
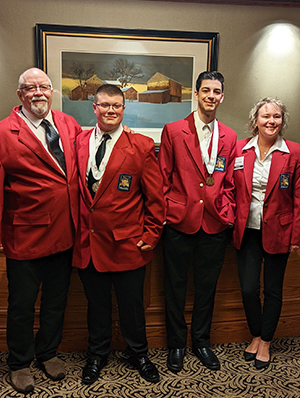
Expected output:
(265, 221)
(92, 231)
(201, 201)
(92, 209)
(201, 184)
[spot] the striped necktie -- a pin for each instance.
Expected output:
(52, 138)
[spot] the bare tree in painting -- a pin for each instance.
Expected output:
(82, 73)
(125, 71)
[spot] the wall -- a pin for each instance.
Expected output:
(252, 65)
(252, 69)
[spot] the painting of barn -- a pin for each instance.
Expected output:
(161, 90)
(130, 93)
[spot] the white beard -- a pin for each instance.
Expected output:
(39, 108)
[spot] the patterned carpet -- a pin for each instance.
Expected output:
(236, 378)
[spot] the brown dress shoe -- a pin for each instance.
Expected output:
(21, 380)
(54, 368)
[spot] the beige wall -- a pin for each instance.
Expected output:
(252, 65)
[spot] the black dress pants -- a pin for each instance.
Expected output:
(52, 274)
(262, 319)
(205, 252)
(129, 287)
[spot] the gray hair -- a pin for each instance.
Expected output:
(22, 80)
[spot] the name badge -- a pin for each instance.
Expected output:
(220, 164)
(239, 163)
(124, 182)
(284, 181)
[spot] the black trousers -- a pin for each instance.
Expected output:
(25, 277)
(262, 319)
(205, 253)
(129, 287)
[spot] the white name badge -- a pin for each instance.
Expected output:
(239, 163)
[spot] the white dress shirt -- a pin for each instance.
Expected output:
(260, 178)
(95, 141)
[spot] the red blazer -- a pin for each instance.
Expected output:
(190, 203)
(127, 207)
(281, 211)
(38, 202)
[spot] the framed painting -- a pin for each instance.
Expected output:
(156, 70)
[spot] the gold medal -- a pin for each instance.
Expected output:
(210, 181)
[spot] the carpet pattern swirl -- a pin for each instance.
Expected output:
(118, 379)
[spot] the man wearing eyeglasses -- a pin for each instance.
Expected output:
(39, 207)
(121, 217)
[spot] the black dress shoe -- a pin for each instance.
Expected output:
(175, 359)
(146, 368)
(261, 364)
(92, 369)
(207, 357)
(249, 356)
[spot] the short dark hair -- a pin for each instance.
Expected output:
(214, 75)
(111, 90)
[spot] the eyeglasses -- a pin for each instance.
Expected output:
(105, 106)
(31, 88)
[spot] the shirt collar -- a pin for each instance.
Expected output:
(199, 124)
(35, 120)
(115, 134)
(279, 145)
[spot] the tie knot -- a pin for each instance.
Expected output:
(46, 122)
(206, 131)
(106, 137)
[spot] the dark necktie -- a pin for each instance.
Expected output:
(52, 137)
(92, 183)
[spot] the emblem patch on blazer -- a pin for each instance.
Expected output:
(220, 164)
(284, 181)
(124, 182)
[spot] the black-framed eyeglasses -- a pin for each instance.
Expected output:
(105, 106)
(31, 88)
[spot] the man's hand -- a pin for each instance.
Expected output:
(127, 129)
(294, 248)
(144, 247)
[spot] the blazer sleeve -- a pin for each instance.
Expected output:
(229, 185)
(166, 162)
(151, 185)
(295, 238)
(2, 178)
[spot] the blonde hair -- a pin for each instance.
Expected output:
(253, 114)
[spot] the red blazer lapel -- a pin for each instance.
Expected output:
(278, 161)
(63, 130)
(27, 137)
(83, 156)
(116, 159)
(249, 158)
(192, 143)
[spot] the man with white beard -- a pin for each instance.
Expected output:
(39, 216)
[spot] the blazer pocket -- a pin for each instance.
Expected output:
(222, 205)
(30, 231)
(32, 219)
(130, 231)
(176, 207)
(125, 250)
(286, 226)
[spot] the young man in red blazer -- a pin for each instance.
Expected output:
(196, 159)
(121, 207)
(39, 211)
